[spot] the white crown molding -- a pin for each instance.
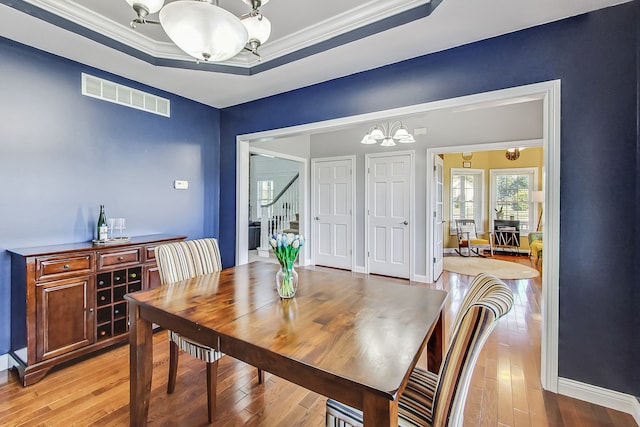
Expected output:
(93, 21)
(600, 396)
(367, 13)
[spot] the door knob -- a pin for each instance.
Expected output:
(317, 218)
(405, 223)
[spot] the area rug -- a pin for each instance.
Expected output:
(472, 266)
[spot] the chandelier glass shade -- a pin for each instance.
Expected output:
(258, 29)
(204, 30)
(388, 135)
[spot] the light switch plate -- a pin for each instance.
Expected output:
(180, 185)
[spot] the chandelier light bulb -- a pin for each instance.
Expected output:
(377, 133)
(387, 142)
(367, 139)
(401, 133)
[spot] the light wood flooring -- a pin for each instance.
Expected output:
(505, 389)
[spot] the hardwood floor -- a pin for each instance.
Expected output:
(505, 389)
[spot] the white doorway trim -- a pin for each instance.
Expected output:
(549, 92)
(242, 201)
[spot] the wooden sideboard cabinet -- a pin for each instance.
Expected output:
(68, 300)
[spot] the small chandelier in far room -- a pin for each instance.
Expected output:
(388, 135)
(204, 30)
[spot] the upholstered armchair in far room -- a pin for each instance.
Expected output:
(535, 245)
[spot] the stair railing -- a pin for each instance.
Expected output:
(278, 213)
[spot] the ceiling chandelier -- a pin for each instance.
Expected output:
(388, 135)
(203, 29)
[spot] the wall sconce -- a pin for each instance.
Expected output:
(513, 153)
(466, 156)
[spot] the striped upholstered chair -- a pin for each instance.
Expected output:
(181, 261)
(438, 400)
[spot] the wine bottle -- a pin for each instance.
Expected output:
(102, 226)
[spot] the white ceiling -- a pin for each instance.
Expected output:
(296, 24)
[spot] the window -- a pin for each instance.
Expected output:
(265, 195)
(511, 190)
(467, 196)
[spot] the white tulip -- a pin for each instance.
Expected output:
(273, 243)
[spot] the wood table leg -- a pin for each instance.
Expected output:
(140, 366)
(435, 346)
(379, 411)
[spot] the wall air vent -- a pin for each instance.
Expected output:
(96, 87)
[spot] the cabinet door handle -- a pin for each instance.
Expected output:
(120, 258)
(91, 310)
(66, 266)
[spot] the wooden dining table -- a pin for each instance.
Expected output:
(351, 337)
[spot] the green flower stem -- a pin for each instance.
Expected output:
(286, 256)
(286, 286)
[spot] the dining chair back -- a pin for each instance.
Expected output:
(181, 261)
(438, 399)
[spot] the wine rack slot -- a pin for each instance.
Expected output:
(111, 296)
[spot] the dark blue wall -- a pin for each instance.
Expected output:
(63, 154)
(594, 55)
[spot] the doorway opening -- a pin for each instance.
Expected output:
(547, 92)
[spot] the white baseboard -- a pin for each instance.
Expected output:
(636, 411)
(4, 362)
(360, 269)
(420, 278)
(600, 396)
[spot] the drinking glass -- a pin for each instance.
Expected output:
(119, 224)
(110, 224)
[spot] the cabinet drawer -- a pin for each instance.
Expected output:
(47, 268)
(150, 253)
(122, 257)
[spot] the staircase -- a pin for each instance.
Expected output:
(294, 225)
(277, 215)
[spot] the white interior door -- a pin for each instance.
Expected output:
(437, 192)
(333, 213)
(389, 214)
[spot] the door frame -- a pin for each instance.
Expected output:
(353, 203)
(550, 93)
(242, 200)
(412, 190)
(434, 204)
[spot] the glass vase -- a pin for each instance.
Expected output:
(287, 282)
